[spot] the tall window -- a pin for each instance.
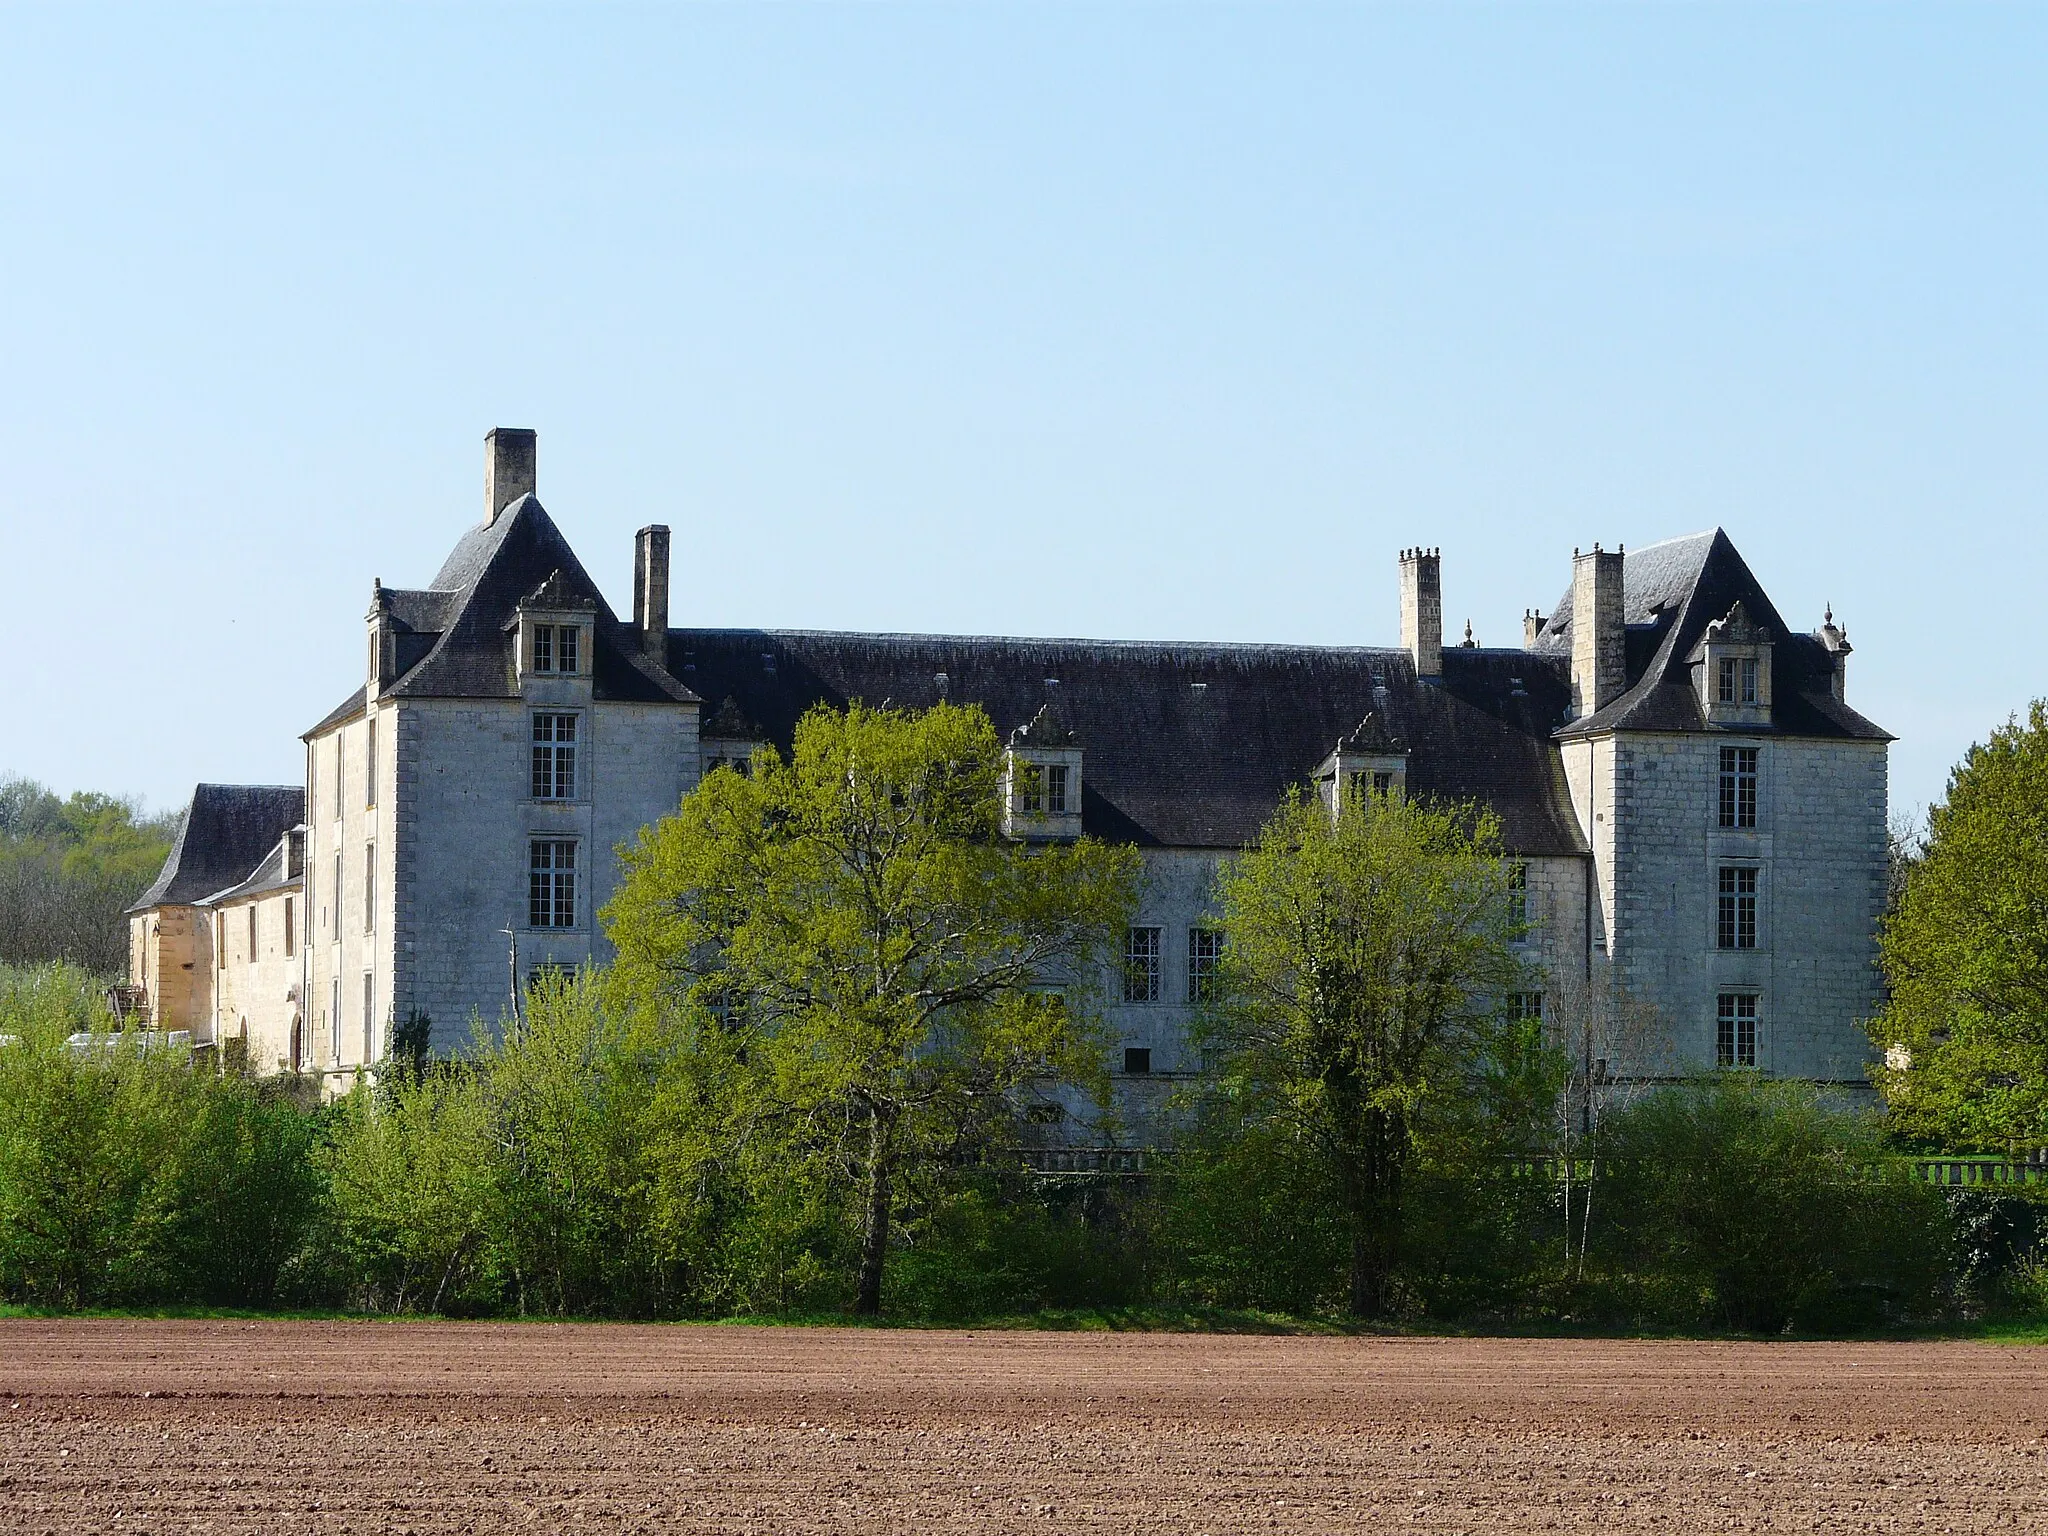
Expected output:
(1141, 965)
(1735, 1029)
(554, 648)
(1518, 892)
(369, 1017)
(340, 737)
(369, 887)
(1205, 964)
(551, 883)
(554, 757)
(334, 1022)
(337, 898)
(290, 937)
(1383, 781)
(252, 933)
(1056, 788)
(370, 765)
(1738, 786)
(1735, 923)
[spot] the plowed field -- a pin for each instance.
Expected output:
(321, 1427)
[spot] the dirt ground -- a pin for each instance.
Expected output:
(322, 1427)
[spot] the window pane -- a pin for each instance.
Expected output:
(1749, 679)
(1056, 789)
(567, 662)
(1141, 965)
(543, 647)
(1205, 963)
(1725, 688)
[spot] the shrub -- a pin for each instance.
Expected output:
(125, 1175)
(1740, 1202)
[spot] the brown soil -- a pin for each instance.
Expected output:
(317, 1427)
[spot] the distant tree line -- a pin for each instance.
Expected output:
(69, 869)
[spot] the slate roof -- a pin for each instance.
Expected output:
(223, 835)
(274, 873)
(1671, 592)
(1186, 745)
(453, 637)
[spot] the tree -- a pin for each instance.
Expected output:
(68, 870)
(1369, 963)
(1965, 1030)
(876, 966)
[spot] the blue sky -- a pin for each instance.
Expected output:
(1147, 321)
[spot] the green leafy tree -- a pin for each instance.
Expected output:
(875, 968)
(1369, 958)
(1964, 1033)
(68, 870)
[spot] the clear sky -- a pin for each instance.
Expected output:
(1140, 321)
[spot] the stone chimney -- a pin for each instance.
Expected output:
(1422, 610)
(508, 468)
(650, 591)
(1599, 647)
(1836, 640)
(1532, 626)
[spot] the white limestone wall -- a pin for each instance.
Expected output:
(254, 987)
(1819, 847)
(346, 940)
(465, 819)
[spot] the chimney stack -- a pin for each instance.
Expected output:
(650, 591)
(1422, 610)
(1532, 627)
(508, 468)
(1599, 646)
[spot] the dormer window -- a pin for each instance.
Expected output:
(729, 739)
(555, 630)
(1369, 761)
(1732, 671)
(555, 648)
(1042, 781)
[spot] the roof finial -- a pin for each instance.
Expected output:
(1828, 614)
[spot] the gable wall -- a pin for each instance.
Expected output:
(171, 958)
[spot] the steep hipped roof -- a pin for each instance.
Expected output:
(1186, 745)
(1671, 592)
(222, 836)
(453, 640)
